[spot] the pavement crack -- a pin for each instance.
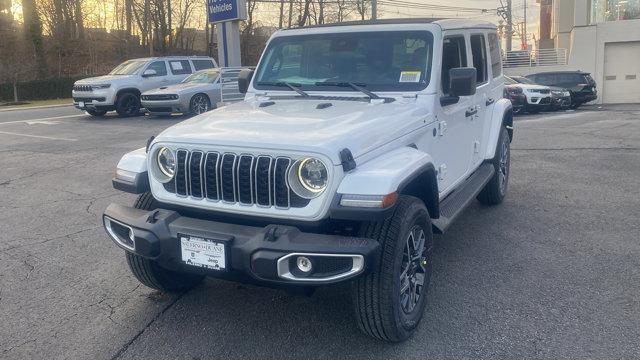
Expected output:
(49, 239)
(17, 346)
(154, 319)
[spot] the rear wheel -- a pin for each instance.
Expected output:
(199, 104)
(128, 104)
(389, 302)
(496, 189)
(149, 272)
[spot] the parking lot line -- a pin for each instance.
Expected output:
(42, 119)
(37, 136)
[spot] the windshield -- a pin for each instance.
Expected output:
(382, 61)
(129, 67)
(523, 80)
(509, 81)
(207, 76)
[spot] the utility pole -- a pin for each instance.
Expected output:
(374, 9)
(524, 31)
(505, 11)
(509, 26)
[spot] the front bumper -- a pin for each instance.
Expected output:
(560, 102)
(253, 254)
(93, 100)
(165, 107)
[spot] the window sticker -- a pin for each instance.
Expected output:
(176, 65)
(409, 76)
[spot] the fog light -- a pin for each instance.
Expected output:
(304, 264)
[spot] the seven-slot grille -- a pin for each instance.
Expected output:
(234, 178)
(82, 87)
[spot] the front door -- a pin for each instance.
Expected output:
(157, 80)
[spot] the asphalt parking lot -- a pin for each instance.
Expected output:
(554, 272)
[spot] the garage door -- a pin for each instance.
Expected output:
(621, 72)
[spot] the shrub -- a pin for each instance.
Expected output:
(54, 88)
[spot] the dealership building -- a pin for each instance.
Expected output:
(601, 37)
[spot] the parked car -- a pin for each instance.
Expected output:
(198, 93)
(538, 96)
(120, 90)
(580, 84)
(560, 98)
(354, 143)
(513, 91)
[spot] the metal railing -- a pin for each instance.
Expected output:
(531, 58)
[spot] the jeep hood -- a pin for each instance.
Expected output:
(307, 126)
(101, 79)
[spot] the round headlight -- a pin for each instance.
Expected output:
(308, 177)
(166, 162)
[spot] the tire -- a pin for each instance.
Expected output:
(96, 113)
(128, 104)
(149, 272)
(496, 189)
(199, 104)
(382, 310)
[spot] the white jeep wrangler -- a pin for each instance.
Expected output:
(355, 144)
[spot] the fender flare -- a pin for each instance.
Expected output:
(502, 115)
(402, 170)
(131, 172)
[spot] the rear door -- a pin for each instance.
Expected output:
(180, 69)
(484, 97)
(453, 137)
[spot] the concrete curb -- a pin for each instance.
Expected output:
(35, 107)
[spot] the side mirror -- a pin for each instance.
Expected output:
(462, 81)
(244, 78)
(149, 72)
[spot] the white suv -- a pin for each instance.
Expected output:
(354, 145)
(120, 90)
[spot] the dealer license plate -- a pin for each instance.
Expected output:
(202, 252)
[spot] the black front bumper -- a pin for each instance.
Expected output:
(252, 253)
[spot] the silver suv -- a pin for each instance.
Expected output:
(120, 90)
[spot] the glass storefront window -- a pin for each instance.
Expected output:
(614, 10)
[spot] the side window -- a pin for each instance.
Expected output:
(494, 49)
(180, 67)
(159, 66)
(479, 53)
(202, 64)
(454, 55)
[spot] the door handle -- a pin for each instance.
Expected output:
(490, 101)
(471, 112)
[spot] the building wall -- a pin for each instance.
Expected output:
(572, 29)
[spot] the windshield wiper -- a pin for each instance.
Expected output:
(294, 87)
(354, 86)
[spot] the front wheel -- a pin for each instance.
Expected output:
(128, 104)
(496, 189)
(389, 301)
(199, 104)
(149, 272)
